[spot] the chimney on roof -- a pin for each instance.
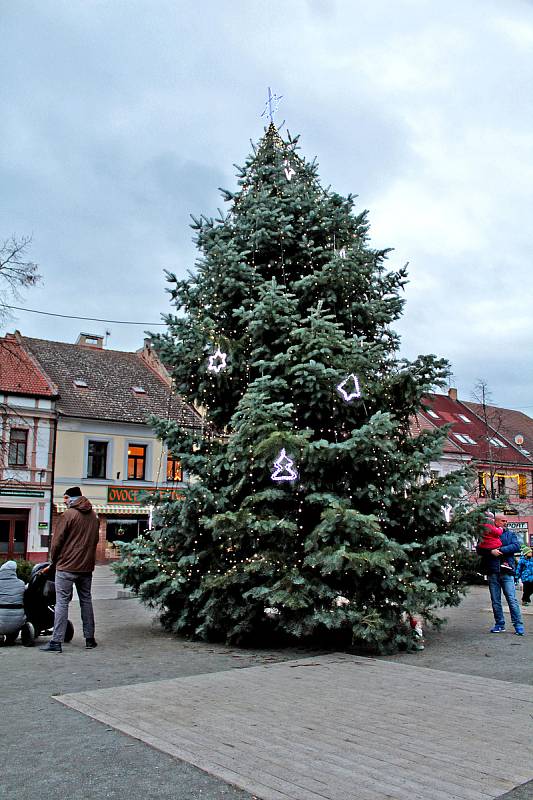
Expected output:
(452, 393)
(150, 357)
(91, 340)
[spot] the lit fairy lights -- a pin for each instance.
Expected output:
(349, 388)
(284, 468)
(217, 361)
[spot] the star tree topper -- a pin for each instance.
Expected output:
(271, 105)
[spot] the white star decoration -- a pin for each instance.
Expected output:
(352, 394)
(219, 356)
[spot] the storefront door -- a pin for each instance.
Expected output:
(13, 534)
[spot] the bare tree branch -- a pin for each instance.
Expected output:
(16, 271)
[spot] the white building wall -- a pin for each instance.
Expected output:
(43, 444)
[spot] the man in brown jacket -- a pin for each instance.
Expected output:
(73, 556)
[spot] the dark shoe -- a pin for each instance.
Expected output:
(498, 629)
(52, 647)
(27, 635)
(519, 630)
(90, 644)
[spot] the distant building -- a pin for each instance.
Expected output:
(27, 425)
(453, 457)
(105, 443)
(502, 466)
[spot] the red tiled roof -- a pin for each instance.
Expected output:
(510, 423)
(465, 422)
(419, 423)
(19, 373)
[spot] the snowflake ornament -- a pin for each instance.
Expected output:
(349, 388)
(284, 468)
(217, 361)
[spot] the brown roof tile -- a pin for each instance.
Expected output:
(110, 376)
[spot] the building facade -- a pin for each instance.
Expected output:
(501, 467)
(105, 443)
(27, 440)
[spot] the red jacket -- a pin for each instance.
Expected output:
(491, 537)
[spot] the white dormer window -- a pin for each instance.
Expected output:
(80, 383)
(497, 442)
(432, 413)
(464, 438)
(139, 390)
(464, 418)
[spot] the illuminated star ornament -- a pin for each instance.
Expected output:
(289, 172)
(284, 468)
(218, 361)
(271, 105)
(349, 388)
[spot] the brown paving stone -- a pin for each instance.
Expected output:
(334, 727)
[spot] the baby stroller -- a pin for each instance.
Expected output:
(39, 601)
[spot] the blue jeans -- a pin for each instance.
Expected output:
(505, 583)
(65, 581)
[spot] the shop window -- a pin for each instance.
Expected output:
(501, 484)
(522, 486)
(174, 471)
(136, 462)
(96, 459)
(18, 447)
(481, 483)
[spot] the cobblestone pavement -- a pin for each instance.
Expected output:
(51, 749)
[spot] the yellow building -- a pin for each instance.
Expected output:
(105, 444)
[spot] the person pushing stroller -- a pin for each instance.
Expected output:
(12, 615)
(73, 554)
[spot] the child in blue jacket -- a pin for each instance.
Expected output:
(524, 572)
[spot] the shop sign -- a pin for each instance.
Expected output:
(21, 493)
(42, 525)
(521, 529)
(121, 495)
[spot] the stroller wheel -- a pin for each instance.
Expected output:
(27, 634)
(69, 633)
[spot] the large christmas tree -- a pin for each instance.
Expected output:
(309, 516)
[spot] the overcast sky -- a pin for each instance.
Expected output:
(121, 118)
